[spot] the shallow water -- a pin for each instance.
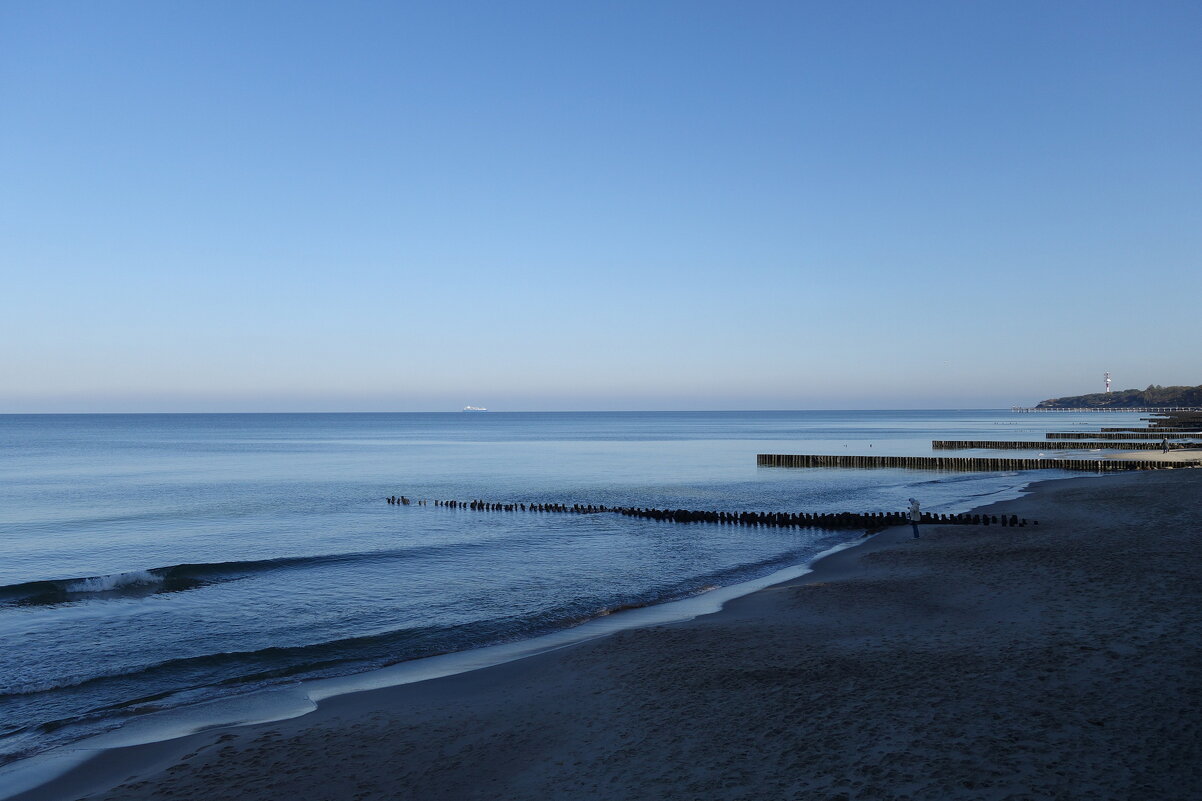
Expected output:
(154, 561)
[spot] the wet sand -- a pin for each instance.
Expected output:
(1058, 661)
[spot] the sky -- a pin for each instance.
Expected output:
(412, 206)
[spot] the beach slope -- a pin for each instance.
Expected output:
(1045, 662)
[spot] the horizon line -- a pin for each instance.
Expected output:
(541, 411)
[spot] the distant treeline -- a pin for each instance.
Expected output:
(1154, 395)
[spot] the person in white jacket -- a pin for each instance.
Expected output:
(915, 516)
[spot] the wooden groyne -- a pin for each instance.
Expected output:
(837, 521)
(1043, 445)
(1112, 435)
(966, 464)
(1152, 430)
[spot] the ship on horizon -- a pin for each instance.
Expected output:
(474, 409)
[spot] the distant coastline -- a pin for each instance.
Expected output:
(1129, 399)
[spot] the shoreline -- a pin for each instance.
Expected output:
(65, 765)
(273, 705)
(852, 600)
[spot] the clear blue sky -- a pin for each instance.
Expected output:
(266, 206)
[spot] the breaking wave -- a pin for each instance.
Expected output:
(114, 583)
(175, 578)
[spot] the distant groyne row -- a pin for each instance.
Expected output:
(965, 464)
(1153, 430)
(1157, 434)
(840, 521)
(1043, 445)
(1167, 430)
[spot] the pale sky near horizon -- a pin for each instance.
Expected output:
(300, 206)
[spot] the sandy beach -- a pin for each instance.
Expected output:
(1058, 661)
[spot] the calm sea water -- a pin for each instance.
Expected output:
(155, 561)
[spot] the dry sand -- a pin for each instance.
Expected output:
(1049, 662)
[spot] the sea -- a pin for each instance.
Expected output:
(156, 565)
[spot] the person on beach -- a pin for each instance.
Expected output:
(915, 516)
(1164, 445)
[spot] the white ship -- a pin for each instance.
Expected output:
(474, 409)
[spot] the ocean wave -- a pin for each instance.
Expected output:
(115, 582)
(133, 583)
(241, 667)
(278, 662)
(175, 578)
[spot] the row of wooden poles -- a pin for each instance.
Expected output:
(1154, 430)
(1168, 426)
(1043, 445)
(1115, 435)
(966, 464)
(840, 521)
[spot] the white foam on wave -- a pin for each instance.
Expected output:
(116, 581)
